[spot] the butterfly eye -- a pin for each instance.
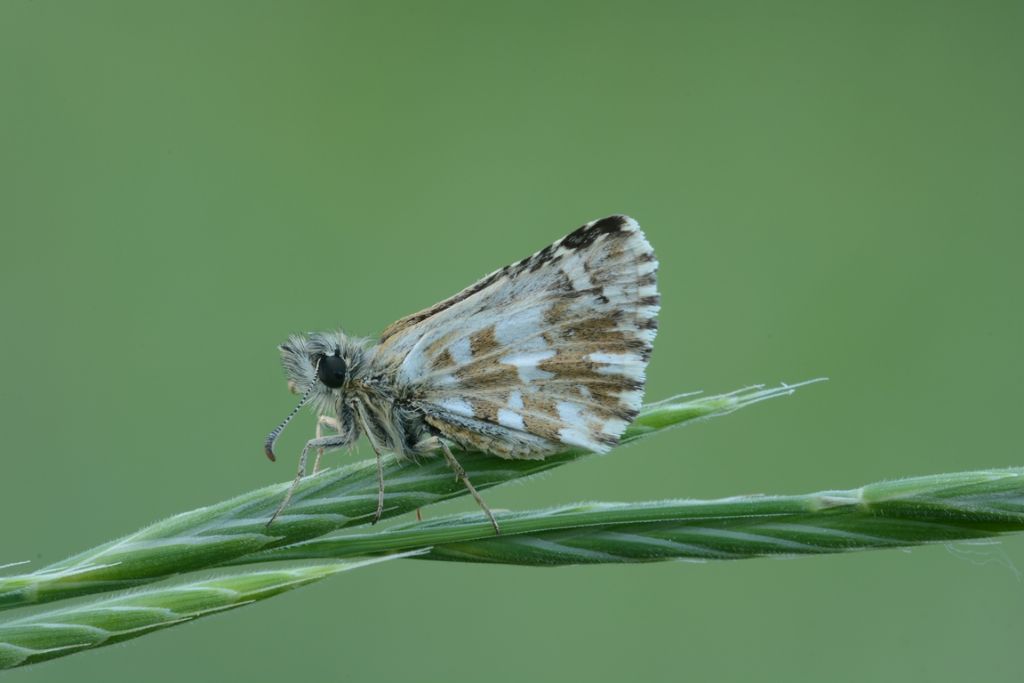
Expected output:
(331, 370)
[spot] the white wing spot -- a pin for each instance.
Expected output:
(626, 364)
(633, 370)
(518, 325)
(515, 400)
(457, 406)
(631, 399)
(572, 266)
(575, 437)
(647, 312)
(612, 358)
(570, 413)
(614, 426)
(460, 351)
(507, 418)
(646, 267)
(614, 294)
(526, 364)
(642, 335)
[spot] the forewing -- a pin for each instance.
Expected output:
(544, 353)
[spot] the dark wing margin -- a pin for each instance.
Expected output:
(577, 239)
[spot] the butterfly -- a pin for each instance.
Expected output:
(545, 354)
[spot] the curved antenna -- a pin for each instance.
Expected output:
(268, 445)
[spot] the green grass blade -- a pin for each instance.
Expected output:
(112, 620)
(335, 499)
(908, 512)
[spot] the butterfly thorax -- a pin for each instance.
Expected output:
(350, 383)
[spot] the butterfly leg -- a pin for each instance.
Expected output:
(321, 422)
(380, 483)
(333, 441)
(461, 475)
(365, 420)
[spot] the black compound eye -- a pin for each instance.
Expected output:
(332, 370)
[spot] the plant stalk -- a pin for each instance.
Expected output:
(334, 499)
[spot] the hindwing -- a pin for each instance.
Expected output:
(545, 353)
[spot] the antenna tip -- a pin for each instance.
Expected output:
(268, 448)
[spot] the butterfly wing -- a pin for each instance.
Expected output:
(545, 353)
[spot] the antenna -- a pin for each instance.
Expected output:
(268, 445)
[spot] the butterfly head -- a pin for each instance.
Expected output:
(319, 368)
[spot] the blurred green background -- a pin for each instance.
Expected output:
(832, 189)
